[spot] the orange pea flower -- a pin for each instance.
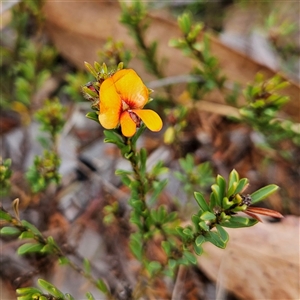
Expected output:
(122, 98)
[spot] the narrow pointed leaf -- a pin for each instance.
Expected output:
(50, 288)
(9, 231)
(263, 193)
(26, 290)
(190, 257)
(222, 186)
(198, 249)
(217, 194)
(102, 286)
(201, 201)
(31, 227)
(26, 235)
(233, 177)
(29, 248)
(223, 233)
(215, 239)
(200, 240)
(241, 185)
(239, 223)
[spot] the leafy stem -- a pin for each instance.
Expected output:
(42, 244)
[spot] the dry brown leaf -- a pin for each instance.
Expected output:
(261, 262)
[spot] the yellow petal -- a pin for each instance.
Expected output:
(151, 119)
(128, 126)
(110, 105)
(131, 88)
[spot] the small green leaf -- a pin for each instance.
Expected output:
(92, 115)
(153, 267)
(126, 180)
(223, 233)
(29, 248)
(166, 247)
(89, 296)
(238, 222)
(47, 249)
(136, 248)
(157, 189)
(52, 242)
(233, 182)
(232, 189)
(138, 134)
(87, 266)
(172, 263)
(27, 297)
(28, 290)
(195, 219)
(120, 172)
(215, 239)
(201, 201)
(9, 231)
(190, 257)
(26, 235)
(143, 160)
(222, 186)
(187, 231)
(200, 240)
(125, 149)
(161, 214)
(185, 23)
(137, 204)
(63, 260)
(102, 286)
(241, 185)
(5, 216)
(50, 288)
(91, 69)
(198, 249)
(171, 216)
(263, 193)
(112, 135)
(69, 297)
(31, 227)
(204, 226)
(213, 201)
(207, 216)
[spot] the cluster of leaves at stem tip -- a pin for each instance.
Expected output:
(207, 68)
(45, 168)
(226, 200)
(263, 107)
(194, 178)
(46, 291)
